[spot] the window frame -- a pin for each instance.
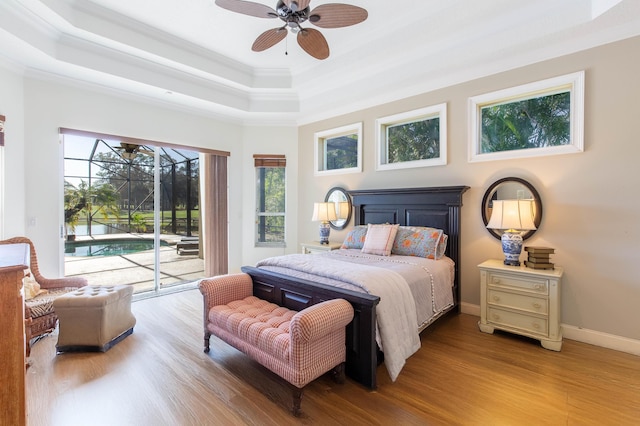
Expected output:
(438, 112)
(572, 83)
(260, 214)
(320, 152)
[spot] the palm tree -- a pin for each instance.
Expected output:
(102, 196)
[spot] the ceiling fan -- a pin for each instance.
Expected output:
(130, 150)
(293, 13)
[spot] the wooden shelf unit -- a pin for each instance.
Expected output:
(14, 259)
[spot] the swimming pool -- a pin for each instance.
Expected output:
(115, 247)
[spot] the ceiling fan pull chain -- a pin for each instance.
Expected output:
(286, 45)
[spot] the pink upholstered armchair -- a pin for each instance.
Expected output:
(39, 315)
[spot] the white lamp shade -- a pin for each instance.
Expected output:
(324, 212)
(512, 214)
(343, 210)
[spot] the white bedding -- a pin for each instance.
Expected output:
(412, 291)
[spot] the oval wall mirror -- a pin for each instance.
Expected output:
(511, 188)
(342, 200)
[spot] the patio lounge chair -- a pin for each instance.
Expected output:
(188, 245)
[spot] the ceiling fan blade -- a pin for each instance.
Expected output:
(268, 39)
(128, 146)
(248, 8)
(300, 4)
(336, 15)
(313, 42)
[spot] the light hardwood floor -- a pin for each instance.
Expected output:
(160, 376)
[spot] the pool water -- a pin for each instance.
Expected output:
(108, 247)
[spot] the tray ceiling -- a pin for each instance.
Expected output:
(193, 54)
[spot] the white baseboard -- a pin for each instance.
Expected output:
(605, 340)
(468, 308)
(591, 337)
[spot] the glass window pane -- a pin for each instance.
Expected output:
(271, 229)
(539, 122)
(271, 197)
(418, 140)
(273, 200)
(341, 152)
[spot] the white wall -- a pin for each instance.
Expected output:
(590, 200)
(34, 165)
(269, 140)
(12, 207)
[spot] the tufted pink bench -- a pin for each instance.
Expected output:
(297, 346)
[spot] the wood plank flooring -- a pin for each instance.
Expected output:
(160, 376)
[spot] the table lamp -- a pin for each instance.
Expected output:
(324, 212)
(343, 209)
(513, 217)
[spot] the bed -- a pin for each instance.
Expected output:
(437, 207)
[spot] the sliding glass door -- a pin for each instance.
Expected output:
(132, 213)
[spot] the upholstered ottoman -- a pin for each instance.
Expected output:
(94, 318)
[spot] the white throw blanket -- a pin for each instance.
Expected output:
(396, 312)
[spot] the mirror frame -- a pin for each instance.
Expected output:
(340, 223)
(493, 188)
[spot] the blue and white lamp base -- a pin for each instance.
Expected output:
(325, 229)
(511, 247)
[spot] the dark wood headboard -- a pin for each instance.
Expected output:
(436, 207)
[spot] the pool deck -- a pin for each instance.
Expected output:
(137, 269)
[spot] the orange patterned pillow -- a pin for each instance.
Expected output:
(430, 243)
(355, 238)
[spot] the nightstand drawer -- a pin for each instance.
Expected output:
(531, 284)
(529, 324)
(533, 304)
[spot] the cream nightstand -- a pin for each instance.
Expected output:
(521, 300)
(315, 247)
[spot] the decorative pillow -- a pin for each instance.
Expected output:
(355, 238)
(442, 246)
(430, 243)
(31, 288)
(379, 239)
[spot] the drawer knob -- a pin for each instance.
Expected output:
(537, 305)
(539, 287)
(536, 325)
(496, 298)
(496, 280)
(496, 317)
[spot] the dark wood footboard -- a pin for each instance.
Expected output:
(297, 294)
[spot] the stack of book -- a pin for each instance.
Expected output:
(538, 257)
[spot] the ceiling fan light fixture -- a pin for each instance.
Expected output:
(296, 12)
(128, 155)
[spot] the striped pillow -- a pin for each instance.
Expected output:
(379, 239)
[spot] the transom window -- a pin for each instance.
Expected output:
(541, 118)
(413, 139)
(339, 150)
